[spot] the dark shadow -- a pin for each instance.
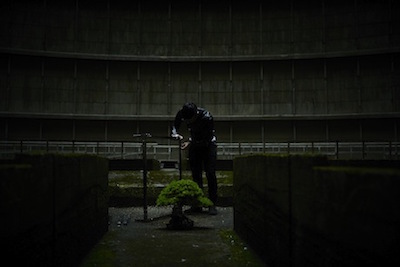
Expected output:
(194, 228)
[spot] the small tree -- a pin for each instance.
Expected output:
(180, 193)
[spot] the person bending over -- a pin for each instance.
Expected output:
(202, 145)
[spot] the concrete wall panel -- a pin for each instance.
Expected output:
(246, 31)
(184, 85)
(21, 129)
(340, 25)
(216, 88)
(26, 29)
(374, 26)
(342, 88)
(90, 130)
(57, 129)
(3, 125)
(60, 26)
(276, 27)
(4, 81)
(59, 82)
(92, 30)
(122, 130)
(25, 85)
(375, 82)
(91, 95)
(378, 129)
(125, 30)
(123, 88)
(185, 28)
(216, 27)
(278, 87)
(310, 87)
(155, 28)
(247, 131)
(223, 131)
(276, 131)
(246, 89)
(311, 131)
(154, 92)
(308, 22)
(344, 130)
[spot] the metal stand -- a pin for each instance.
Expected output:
(144, 156)
(180, 159)
(144, 137)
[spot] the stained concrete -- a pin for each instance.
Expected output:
(133, 241)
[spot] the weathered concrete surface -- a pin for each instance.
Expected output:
(139, 243)
(53, 207)
(304, 211)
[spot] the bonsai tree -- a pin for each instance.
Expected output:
(180, 193)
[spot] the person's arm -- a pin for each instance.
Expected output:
(177, 125)
(211, 123)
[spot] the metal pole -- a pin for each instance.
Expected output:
(122, 149)
(180, 159)
(144, 137)
(144, 178)
(337, 149)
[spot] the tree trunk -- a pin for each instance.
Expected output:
(178, 220)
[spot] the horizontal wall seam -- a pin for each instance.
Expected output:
(150, 58)
(218, 118)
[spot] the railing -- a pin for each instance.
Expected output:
(167, 152)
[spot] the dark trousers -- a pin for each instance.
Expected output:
(204, 155)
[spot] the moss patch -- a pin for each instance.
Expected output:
(359, 170)
(241, 254)
(15, 166)
(160, 177)
(102, 254)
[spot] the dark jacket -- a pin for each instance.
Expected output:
(201, 129)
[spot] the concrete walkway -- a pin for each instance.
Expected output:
(131, 241)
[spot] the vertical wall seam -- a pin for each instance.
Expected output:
(107, 88)
(290, 211)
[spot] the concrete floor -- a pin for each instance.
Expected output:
(133, 241)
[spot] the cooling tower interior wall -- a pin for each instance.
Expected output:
(268, 71)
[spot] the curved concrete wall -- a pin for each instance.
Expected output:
(270, 63)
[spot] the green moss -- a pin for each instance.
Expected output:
(224, 177)
(283, 155)
(256, 155)
(360, 170)
(77, 155)
(14, 166)
(241, 254)
(161, 177)
(36, 153)
(102, 254)
(129, 183)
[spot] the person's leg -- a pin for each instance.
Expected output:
(210, 166)
(196, 165)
